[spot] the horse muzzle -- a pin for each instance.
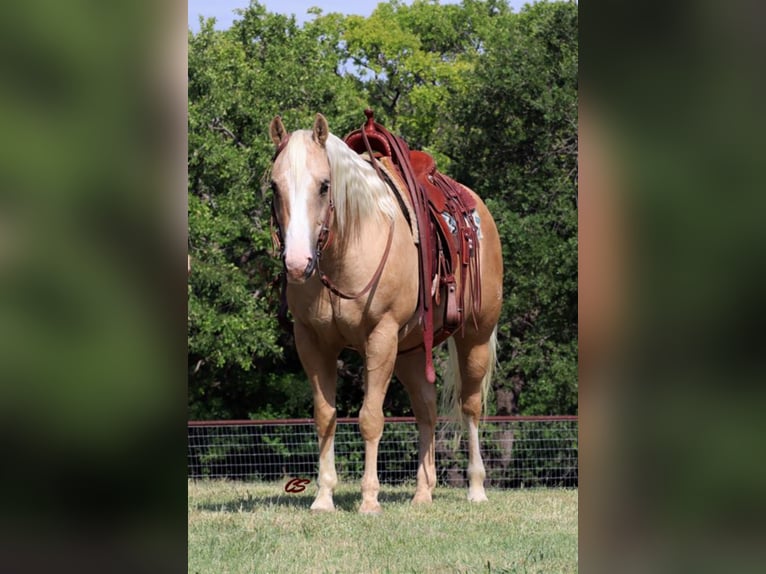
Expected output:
(301, 268)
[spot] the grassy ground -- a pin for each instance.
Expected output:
(247, 527)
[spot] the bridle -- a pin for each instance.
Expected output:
(324, 239)
(325, 235)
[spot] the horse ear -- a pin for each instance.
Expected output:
(321, 129)
(277, 130)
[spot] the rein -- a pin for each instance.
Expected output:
(327, 282)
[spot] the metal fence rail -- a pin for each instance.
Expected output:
(518, 451)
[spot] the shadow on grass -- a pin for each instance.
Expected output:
(344, 501)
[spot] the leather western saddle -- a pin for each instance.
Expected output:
(447, 226)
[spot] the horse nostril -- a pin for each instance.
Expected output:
(310, 266)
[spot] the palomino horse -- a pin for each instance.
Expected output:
(372, 255)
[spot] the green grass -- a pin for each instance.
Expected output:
(257, 527)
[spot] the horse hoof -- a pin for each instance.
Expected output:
(322, 506)
(422, 499)
(477, 497)
(372, 509)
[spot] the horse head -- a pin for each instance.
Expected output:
(302, 203)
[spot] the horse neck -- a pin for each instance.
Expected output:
(352, 262)
(353, 241)
(360, 194)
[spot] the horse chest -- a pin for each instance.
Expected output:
(329, 317)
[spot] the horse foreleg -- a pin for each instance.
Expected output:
(380, 355)
(324, 415)
(321, 369)
(409, 370)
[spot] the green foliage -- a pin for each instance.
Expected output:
(518, 147)
(491, 94)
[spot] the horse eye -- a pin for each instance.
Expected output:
(324, 188)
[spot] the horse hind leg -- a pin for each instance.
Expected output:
(476, 362)
(409, 370)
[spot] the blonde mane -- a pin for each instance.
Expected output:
(357, 190)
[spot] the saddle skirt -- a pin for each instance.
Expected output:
(444, 224)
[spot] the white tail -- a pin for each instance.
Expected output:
(451, 403)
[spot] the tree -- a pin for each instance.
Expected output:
(238, 80)
(518, 144)
(490, 93)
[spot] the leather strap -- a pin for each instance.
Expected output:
(327, 282)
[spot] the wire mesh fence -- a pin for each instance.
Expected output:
(518, 452)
